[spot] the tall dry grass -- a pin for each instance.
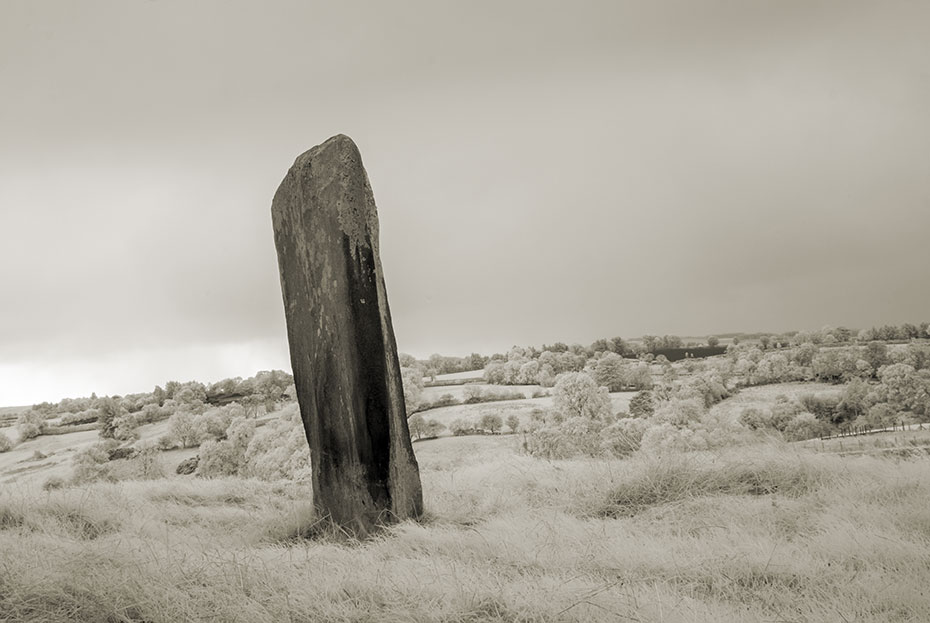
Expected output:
(765, 533)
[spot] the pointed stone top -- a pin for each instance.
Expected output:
(333, 173)
(339, 144)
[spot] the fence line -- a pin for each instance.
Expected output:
(855, 431)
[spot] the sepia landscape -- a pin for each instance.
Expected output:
(785, 479)
(657, 347)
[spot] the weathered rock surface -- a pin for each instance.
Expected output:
(188, 466)
(343, 352)
(124, 452)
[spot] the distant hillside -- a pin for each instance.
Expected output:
(8, 415)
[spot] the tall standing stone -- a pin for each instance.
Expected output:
(343, 352)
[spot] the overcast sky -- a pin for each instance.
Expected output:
(544, 171)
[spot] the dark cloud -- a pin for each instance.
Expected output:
(543, 172)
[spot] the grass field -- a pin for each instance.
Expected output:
(762, 396)
(458, 391)
(766, 533)
(36, 460)
(459, 376)
(523, 409)
(8, 416)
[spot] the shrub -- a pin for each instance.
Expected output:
(416, 425)
(167, 442)
(776, 417)
(527, 373)
(623, 437)
(836, 365)
(141, 464)
(90, 463)
(150, 413)
(577, 395)
(513, 422)
(124, 427)
(679, 421)
(279, 449)
(228, 456)
(754, 418)
(822, 405)
(545, 376)
(642, 404)
(684, 424)
(30, 424)
(433, 429)
(562, 439)
(82, 417)
(805, 426)
(146, 461)
(412, 380)
(609, 372)
(491, 423)
(446, 400)
(184, 428)
(579, 436)
(678, 412)
(707, 386)
(109, 410)
(218, 458)
(503, 394)
(905, 388)
(211, 424)
(881, 415)
(5, 444)
(424, 429)
(462, 426)
(472, 394)
(854, 400)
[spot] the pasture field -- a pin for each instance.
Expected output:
(523, 409)
(432, 393)
(8, 415)
(45, 456)
(761, 533)
(460, 376)
(761, 396)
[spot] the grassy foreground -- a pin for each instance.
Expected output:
(764, 533)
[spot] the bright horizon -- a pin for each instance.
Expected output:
(542, 173)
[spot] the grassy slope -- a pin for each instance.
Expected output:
(755, 534)
(20, 464)
(8, 417)
(909, 443)
(458, 376)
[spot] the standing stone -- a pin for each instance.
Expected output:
(343, 352)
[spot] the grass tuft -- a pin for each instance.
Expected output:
(85, 525)
(661, 480)
(11, 518)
